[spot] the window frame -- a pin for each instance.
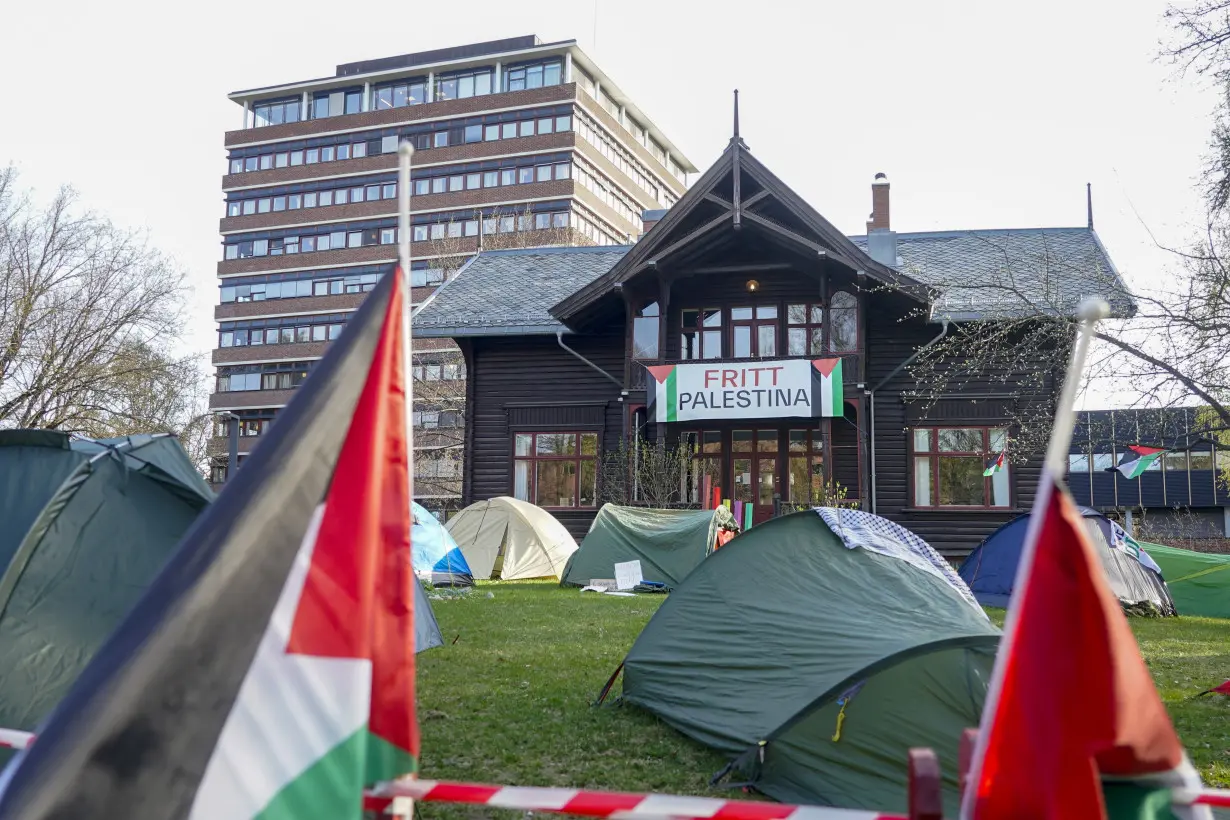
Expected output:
(576, 458)
(934, 454)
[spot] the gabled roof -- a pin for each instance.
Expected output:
(1011, 273)
(737, 194)
(510, 291)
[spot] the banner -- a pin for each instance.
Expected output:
(787, 388)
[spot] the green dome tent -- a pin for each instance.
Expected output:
(668, 543)
(87, 525)
(756, 652)
(1199, 582)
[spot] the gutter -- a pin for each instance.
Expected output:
(871, 410)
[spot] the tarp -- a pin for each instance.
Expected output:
(1199, 582)
(668, 543)
(990, 570)
(511, 539)
(760, 641)
(435, 554)
(86, 527)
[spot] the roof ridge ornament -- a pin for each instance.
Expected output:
(735, 139)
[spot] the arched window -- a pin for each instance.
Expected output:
(843, 322)
(645, 332)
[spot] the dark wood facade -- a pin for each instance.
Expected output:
(739, 238)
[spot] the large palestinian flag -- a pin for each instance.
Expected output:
(269, 670)
(785, 388)
(1073, 725)
(1145, 456)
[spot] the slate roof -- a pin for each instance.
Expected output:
(978, 274)
(510, 291)
(1007, 273)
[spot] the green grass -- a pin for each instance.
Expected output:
(510, 701)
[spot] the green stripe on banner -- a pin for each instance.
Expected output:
(839, 397)
(672, 396)
(385, 761)
(1134, 801)
(329, 789)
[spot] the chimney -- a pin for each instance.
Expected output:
(879, 203)
(649, 218)
(881, 242)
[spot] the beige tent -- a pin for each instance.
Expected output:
(510, 539)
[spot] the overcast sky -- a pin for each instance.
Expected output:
(983, 114)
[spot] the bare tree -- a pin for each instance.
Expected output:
(87, 314)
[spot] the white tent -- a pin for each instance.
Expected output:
(510, 539)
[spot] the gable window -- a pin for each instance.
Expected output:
(843, 322)
(949, 464)
(702, 334)
(753, 331)
(556, 470)
(805, 330)
(645, 332)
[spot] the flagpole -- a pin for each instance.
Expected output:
(403, 808)
(1090, 312)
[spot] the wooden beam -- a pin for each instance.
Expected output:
(717, 200)
(755, 198)
(703, 229)
(786, 233)
(736, 180)
(744, 268)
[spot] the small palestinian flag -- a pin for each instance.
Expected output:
(1222, 689)
(269, 669)
(996, 465)
(1145, 457)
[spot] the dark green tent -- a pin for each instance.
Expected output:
(1199, 582)
(87, 525)
(668, 543)
(752, 653)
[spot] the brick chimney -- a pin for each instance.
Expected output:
(879, 204)
(649, 218)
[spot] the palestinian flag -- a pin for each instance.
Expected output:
(996, 465)
(1072, 726)
(831, 396)
(269, 670)
(1145, 457)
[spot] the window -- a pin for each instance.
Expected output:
(533, 76)
(440, 139)
(843, 322)
(805, 330)
(702, 334)
(1175, 462)
(806, 467)
(949, 464)
(473, 133)
(460, 86)
(753, 331)
(1201, 459)
(645, 332)
(275, 113)
(1078, 462)
(397, 95)
(705, 449)
(556, 470)
(439, 185)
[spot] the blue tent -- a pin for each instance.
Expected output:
(436, 553)
(990, 570)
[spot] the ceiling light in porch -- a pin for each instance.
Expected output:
(752, 286)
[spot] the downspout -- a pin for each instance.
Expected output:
(871, 409)
(559, 337)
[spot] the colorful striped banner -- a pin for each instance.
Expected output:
(607, 804)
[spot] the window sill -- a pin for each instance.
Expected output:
(949, 510)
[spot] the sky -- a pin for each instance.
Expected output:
(983, 115)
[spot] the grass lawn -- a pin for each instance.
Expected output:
(510, 701)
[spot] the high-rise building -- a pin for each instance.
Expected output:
(519, 143)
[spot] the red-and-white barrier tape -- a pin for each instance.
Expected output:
(616, 805)
(14, 739)
(1204, 797)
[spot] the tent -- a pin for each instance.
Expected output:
(793, 635)
(511, 539)
(990, 570)
(1199, 582)
(668, 543)
(426, 630)
(436, 556)
(87, 526)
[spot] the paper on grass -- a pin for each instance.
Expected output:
(628, 574)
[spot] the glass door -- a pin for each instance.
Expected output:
(754, 463)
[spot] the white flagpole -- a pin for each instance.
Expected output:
(1090, 313)
(404, 808)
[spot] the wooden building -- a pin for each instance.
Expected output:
(721, 329)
